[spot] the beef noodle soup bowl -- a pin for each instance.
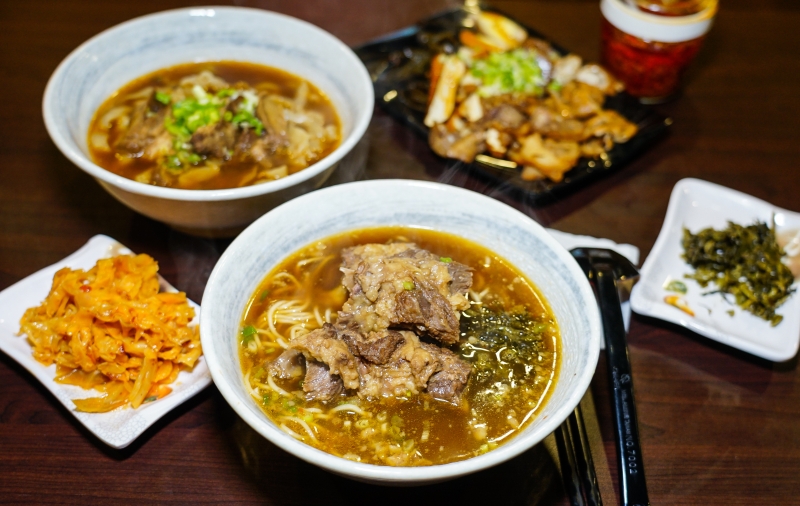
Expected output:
(400, 332)
(207, 118)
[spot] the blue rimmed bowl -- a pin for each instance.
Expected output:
(117, 56)
(338, 209)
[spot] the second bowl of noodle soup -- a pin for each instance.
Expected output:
(221, 41)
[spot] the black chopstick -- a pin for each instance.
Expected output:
(585, 462)
(632, 481)
(577, 466)
(603, 268)
(569, 468)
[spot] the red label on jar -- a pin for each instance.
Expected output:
(649, 69)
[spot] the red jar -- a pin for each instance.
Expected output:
(649, 46)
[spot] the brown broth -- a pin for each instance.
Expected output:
(233, 172)
(441, 432)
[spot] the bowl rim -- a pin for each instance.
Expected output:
(424, 474)
(77, 157)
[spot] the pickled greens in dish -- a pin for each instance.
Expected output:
(742, 261)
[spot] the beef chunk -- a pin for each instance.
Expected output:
(462, 278)
(251, 147)
(319, 383)
(402, 285)
(427, 311)
(413, 367)
(324, 345)
(215, 140)
(392, 286)
(145, 128)
(448, 383)
(395, 377)
(288, 365)
(376, 347)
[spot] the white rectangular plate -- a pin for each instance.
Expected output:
(117, 428)
(696, 205)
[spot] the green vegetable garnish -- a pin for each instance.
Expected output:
(263, 295)
(247, 334)
(163, 97)
(245, 118)
(744, 262)
(498, 342)
(151, 398)
(509, 72)
(408, 285)
(446, 260)
(676, 286)
(191, 114)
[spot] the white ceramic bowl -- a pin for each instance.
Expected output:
(108, 61)
(351, 206)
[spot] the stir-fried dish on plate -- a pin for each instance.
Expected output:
(514, 98)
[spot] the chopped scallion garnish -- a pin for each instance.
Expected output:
(247, 333)
(163, 97)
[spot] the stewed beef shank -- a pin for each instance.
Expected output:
(370, 348)
(401, 285)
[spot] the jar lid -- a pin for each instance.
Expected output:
(653, 27)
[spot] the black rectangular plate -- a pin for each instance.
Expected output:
(398, 64)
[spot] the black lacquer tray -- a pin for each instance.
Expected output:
(398, 64)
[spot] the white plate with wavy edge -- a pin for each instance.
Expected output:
(117, 428)
(696, 205)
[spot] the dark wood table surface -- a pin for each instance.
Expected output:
(718, 426)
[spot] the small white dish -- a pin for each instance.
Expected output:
(117, 428)
(696, 205)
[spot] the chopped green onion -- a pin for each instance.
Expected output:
(243, 118)
(265, 399)
(446, 260)
(509, 72)
(247, 334)
(151, 398)
(163, 97)
(263, 295)
(173, 162)
(408, 285)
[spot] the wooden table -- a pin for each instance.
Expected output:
(718, 426)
